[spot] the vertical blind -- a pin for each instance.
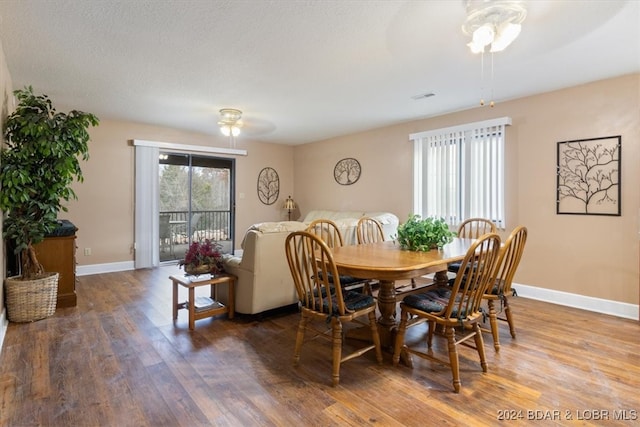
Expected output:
(459, 172)
(147, 219)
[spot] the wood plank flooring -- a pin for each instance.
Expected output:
(118, 359)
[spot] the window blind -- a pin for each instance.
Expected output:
(459, 172)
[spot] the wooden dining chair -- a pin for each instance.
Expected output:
(324, 302)
(329, 233)
(326, 230)
(500, 289)
(472, 228)
(456, 309)
(369, 230)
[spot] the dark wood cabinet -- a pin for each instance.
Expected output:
(58, 254)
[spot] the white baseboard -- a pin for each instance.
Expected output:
(4, 323)
(599, 305)
(84, 270)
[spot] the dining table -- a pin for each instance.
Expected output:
(387, 262)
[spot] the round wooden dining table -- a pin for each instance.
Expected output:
(386, 262)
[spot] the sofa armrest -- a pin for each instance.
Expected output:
(231, 260)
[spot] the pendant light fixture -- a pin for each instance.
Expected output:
(493, 25)
(230, 123)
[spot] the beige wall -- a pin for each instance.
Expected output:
(588, 255)
(104, 211)
(6, 105)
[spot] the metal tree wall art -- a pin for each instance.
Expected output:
(268, 186)
(347, 171)
(589, 176)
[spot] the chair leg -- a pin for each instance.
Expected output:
(336, 327)
(493, 321)
(402, 329)
(450, 333)
(507, 312)
(366, 289)
(375, 336)
(432, 329)
(302, 326)
(480, 346)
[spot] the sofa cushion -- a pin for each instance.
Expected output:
(274, 227)
(348, 220)
(332, 215)
(278, 227)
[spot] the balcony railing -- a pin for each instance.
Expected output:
(212, 225)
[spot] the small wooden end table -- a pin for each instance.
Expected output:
(192, 283)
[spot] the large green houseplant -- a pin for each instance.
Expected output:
(423, 234)
(38, 163)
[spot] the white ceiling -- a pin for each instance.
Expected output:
(300, 70)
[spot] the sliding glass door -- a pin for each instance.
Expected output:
(195, 202)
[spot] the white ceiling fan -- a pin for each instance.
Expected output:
(232, 124)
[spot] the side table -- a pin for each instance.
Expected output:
(191, 283)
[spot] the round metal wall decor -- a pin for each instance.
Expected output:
(347, 171)
(268, 186)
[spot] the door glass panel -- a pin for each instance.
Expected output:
(211, 200)
(195, 203)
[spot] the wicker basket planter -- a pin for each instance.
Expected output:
(31, 300)
(200, 269)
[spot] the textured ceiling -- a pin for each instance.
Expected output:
(300, 70)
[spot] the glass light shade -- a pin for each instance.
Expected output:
(475, 48)
(228, 130)
(484, 35)
(507, 33)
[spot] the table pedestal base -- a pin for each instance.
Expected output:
(387, 305)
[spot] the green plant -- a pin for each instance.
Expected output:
(37, 167)
(423, 234)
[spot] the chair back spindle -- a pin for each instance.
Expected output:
(473, 228)
(328, 231)
(369, 230)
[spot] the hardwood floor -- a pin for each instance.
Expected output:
(117, 359)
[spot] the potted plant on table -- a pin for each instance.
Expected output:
(38, 164)
(424, 234)
(202, 258)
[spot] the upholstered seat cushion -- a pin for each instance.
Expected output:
(497, 287)
(429, 302)
(454, 267)
(433, 301)
(352, 301)
(344, 280)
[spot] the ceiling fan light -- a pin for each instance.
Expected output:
(484, 35)
(229, 130)
(475, 48)
(493, 22)
(230, 121)
(507, 33)
(230, 114)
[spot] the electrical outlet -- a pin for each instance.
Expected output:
(87, 251)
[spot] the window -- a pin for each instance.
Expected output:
(459, 172)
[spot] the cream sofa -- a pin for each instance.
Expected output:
(264, 280)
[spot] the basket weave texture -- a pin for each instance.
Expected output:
(200, 269)
(31, 300)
